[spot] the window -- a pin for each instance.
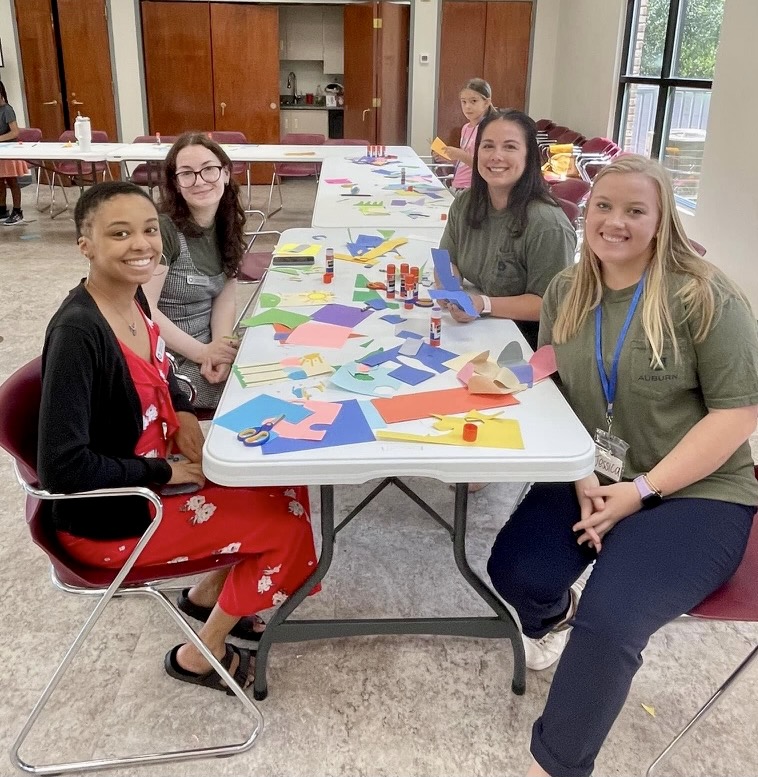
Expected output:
(665, 84)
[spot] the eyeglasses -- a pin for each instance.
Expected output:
(187, 178)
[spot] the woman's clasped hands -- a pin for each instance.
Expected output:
(602, 507)
(216, 359)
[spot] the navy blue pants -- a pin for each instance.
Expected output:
(654, 565)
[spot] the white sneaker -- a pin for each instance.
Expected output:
(544, 652)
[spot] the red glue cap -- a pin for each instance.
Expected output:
(470, 432)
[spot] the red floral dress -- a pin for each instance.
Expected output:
(268, 525)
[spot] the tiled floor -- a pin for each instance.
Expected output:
(415, 706)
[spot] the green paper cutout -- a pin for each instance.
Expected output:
(386, 233)
(361, 281)
(276, 316)
(364, 295)
(269, 300)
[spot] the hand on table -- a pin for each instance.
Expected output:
(188, 439)
(619, 501)
(186, 472)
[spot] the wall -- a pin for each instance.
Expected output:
(587, 65)
(128, 70)
(726, 218)
(10, 74)
(422, 92)
(545, 26)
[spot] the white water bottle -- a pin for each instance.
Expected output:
(83, 132)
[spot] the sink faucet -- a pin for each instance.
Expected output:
(292, 84)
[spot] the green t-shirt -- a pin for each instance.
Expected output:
(654, 408)
(204, 250)
(500, 264)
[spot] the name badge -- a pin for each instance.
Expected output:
(610, 455)
(198, 280)
(160, 349)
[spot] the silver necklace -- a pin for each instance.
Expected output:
(133, 325)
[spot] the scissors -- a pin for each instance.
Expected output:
(257, 435)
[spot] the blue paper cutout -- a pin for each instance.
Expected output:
(377, 303)
(444, 269)
(349, 378)
(405, 334)
(411, 375)
(379, 357)
(256, 410)
(434, 357)
(523, 372)
(459, 298)
(349, 427)
(372, 415)
(394, 319)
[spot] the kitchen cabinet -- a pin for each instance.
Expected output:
(333, 37)
(304, 120)
(301, 32)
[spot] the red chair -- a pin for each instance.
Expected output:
(573, 137)
(572, 189)
(571, 210)
(238, 168)
(736, 600)
(294, 169)
(19, 415)
(543, 125)
(346, 142)
(596, 153)
(79, 174)
(150, 174)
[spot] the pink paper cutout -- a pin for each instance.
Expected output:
(543, 362)
(322, 413)
(320, 335)
(465, 373)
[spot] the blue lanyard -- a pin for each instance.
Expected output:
(609, 383)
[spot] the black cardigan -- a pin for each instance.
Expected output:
(90, 421)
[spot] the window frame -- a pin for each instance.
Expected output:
(665, 82)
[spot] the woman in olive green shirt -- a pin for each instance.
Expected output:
(657, 352)
(506, 234)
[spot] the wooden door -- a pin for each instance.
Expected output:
(36, 37)
(392, 74)
(85, 52)
(461, 57)
(178, 67)
(506, 52)
(245, 49)
(360, 72)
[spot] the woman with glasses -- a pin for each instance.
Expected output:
(192, 293)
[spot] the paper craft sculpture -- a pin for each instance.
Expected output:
(510, 373)
(451, 290)
(293, 368)
(492, 432)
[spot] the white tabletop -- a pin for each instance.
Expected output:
(556, 445)
(346, 187)
(98, 152)
(155, 152)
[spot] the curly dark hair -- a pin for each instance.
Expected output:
(93, 197)
(531, 186)
(230, 216)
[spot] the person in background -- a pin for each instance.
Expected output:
(10, 169)
(506, 234)
(476, 104)
(112, 415)
(657, 353)
(193, 292)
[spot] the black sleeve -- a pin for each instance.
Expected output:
(65, 461)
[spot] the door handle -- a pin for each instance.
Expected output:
(51, 102)
(223, 108)
(76, 102)
(363, 117)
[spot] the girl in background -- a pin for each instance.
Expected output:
(10, 169)
(476, 103)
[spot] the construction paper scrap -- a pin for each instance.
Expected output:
(276, 316)
(383, 248)
(295, 368)
(484, 376)
(257, 410)
(406, 333)
(465, 373)
(369, 241)
(398, 203)
(297, 300)
(513, 353)
(338, 180)
(281, 337)
(434, 357)
(349, 427)
(386, 233)
(415, 324)
(373, 208)
(374, 420)
(320, 335)
(366, 262)
(410, 347)
(444, 269)
(364, 295)
(459, 298)
(523, 372)
(297, 249)
(377, 304)
(543, 362)
(438, 147)
(409, 407)
(361, 281)
(459, 362)
(379, 357)
(366, 344)
(393, 319)
(268, 300)
(411, 375)
(374, 382)
(321, 414)
(492, 432)
(342, 315)
(649, 709)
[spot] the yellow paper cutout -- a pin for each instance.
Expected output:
(295, 368)
(493, 432)
(439, 146)
(649, 709)
(297, 249)
(371, 257)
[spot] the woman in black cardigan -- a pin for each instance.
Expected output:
(112, 415)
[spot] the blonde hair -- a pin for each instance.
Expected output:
(701, 294)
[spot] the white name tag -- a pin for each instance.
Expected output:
(160, 349)
(607, 464)
(198, 280)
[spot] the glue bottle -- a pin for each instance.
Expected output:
(330, 261)
(390, 281)
(435, 327)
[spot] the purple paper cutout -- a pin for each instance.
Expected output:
(340, 315)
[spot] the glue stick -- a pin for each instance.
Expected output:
(416, 273)
(390, 281)
(408, 303)
(330, 261)
(402, 176)
(403, 273)
(435, 327)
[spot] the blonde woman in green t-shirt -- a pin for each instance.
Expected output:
(657, 353)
